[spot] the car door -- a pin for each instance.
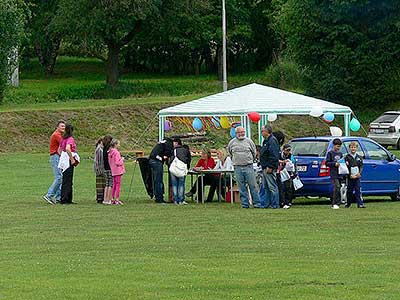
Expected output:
(380, 175)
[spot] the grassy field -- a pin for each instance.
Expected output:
(215, 251)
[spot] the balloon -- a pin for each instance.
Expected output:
(355, 125)
(197, 124)
(272, 117)
(224, 122)
(254, 116)
(167, 125)
(316, 112)
(336, 131)
(329, 117)
(232, 132)
(216, 121)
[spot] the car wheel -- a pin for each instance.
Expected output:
(395, 197)
(398, 144)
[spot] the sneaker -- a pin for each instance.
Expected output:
(361, 206)
(335, 206)
(184, 203)
(119, 202)
(49, 200)
(176, 203)
(107, 202)
(286, 206)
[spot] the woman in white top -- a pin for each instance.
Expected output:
(224, 163)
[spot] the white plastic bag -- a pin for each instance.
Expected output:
(343, 170)
(297, 184)
(284, 175)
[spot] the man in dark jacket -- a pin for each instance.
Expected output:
(269, 159)
(160, 154)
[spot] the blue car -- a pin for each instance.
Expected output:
(381, 175)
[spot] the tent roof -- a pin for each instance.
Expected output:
(252, 97)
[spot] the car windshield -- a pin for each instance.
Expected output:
(309, 148)
(387, 118)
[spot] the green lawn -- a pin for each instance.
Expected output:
(215, 251)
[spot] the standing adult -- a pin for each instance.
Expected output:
(269, 159)
(243, 153)
(178, 183)
(68, 160)
(160, 154)
(54, 190)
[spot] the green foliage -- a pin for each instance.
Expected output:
(351, 48)
(12, 18)
(286, 74)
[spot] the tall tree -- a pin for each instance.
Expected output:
(44, 33)
(112, 23)
(351, 47)
(12, 18)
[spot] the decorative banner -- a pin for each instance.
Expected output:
(224, 122)
(216, 121)
(254, 116)
(167, 125)
(316, 112)
(272, 117)
(233, 132)
(235, 124)
(329, 117)
(336, 131)
(197, 124)
(355, 125)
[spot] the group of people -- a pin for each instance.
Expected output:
(108, 167)
(265, 173)
(63, 160)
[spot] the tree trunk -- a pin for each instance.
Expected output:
(47, 52)
(112, 65)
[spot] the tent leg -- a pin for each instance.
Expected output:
(161, 124)
(347, 124)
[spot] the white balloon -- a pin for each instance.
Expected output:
(316, 112)
(272, 117)
(336, 131)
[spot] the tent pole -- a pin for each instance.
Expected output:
(347, 124)
(161, 123)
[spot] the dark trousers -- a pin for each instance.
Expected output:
(66, 186)
(208, 179)
(336, 191)
(285, 191)
(158, 181)
(354, 191)
(100, 185)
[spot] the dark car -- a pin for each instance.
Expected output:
(381, 175)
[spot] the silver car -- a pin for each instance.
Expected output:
(386, 129)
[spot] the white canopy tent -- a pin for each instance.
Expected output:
(254, 97)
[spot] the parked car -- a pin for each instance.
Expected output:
(381, 175)
(386, 129)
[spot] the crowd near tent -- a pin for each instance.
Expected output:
(264, 100)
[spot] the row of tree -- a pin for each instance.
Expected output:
(350, 49)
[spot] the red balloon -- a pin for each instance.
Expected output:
(254, 116)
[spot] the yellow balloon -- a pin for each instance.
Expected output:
(224, 122)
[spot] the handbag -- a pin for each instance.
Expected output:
(297, 184)
(178, 168)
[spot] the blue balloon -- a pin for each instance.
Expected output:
(233, 132)
(197, 124)
(329, 116)
(355, 125)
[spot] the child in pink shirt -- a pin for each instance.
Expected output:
(117, 169)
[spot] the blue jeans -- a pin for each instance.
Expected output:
(178, 188)
(271, 189)
(158, 181)
(55, 188)
(246, 174)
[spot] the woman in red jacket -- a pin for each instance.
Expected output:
(206, 162)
